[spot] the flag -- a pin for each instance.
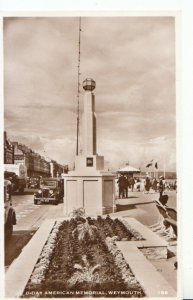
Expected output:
(149, 164)
(156, 165)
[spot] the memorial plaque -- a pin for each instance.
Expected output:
(89, 161)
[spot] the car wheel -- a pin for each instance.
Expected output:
(35, 201)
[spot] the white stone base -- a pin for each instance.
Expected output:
(93, 191)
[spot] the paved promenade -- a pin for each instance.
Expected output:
(138, 205)
(142, 206)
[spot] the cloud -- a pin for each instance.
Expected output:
(132, 60)
(158, 140)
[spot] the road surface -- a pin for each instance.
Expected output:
(30, 216)
(29, 219)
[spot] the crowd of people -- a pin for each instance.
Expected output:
(129, 183)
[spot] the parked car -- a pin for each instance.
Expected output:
(9, 212)
(33, 183)
(51, 191)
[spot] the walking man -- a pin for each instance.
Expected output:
(161, 186)
(121, 183)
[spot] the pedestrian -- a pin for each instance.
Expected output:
(126, 184)
(121, 184)
(38, 181)
(138, 185)
(132, 182)
(161, 185)
(163, 199)
(154, 184)
(147, 184)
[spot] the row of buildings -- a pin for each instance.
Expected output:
(37, 165)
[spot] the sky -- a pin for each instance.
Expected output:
(132, 60)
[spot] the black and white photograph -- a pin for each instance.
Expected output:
(90, 156)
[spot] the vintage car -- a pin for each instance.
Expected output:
(33, 183)
(51, 191)
(9, 212)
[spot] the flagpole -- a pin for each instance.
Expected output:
(78, 90)
(149, 165)
(164, 170)
(156, 170)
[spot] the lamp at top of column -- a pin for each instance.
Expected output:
(89, 84)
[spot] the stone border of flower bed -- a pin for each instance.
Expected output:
(21, 269)
(142, 269)
(153, 283)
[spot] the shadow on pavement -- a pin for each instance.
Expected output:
(125, 207)
(15, 244)
(128, 206)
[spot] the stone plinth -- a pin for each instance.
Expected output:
(94, 191)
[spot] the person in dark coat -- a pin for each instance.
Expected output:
(163, 199)
(147, 184)
(154, 184)
(132, 183)
(121, 184)
(161, 186)
(138, 185)
(126, 184)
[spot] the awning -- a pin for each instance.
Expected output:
(128, 169)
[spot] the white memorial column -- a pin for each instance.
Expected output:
(89, 118)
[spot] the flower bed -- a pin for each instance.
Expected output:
(81, 259)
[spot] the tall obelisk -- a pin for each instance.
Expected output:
(89, 159)
(89, 186)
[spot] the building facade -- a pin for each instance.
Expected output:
(37, 165)
(8, 150)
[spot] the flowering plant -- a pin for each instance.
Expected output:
(40, 268)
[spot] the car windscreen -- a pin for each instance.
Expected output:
(50, 183)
